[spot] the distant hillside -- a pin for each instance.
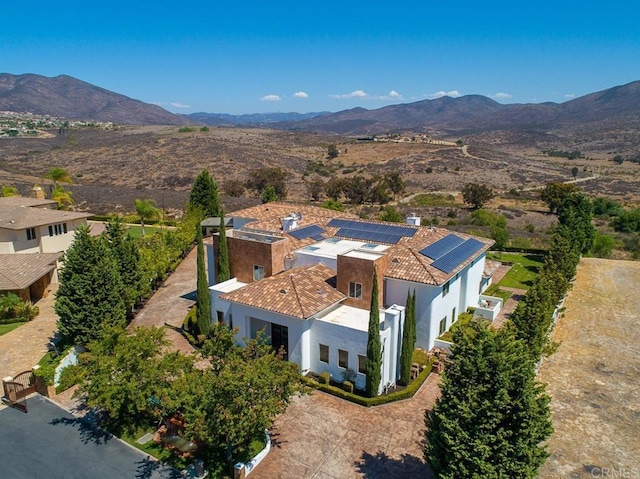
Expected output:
(65, 96)
(249, 119)
(614, 109)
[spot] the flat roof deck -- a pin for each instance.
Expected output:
(350, 317)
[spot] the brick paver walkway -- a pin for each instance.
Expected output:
(171, 302)
(22, 348)
(323, 437)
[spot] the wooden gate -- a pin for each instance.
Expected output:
(17, 390)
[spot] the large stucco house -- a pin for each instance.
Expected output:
(34, 235)
(305, 275)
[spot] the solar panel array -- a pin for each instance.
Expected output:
(371, 231)
(458, 255)
(313, 231)
(442, 246)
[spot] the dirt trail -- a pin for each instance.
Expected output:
(593, 378)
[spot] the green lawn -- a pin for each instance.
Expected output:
(136, 231)
(153, 449)
(524, 270)
(7, 328)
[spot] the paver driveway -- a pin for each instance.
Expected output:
(324, 437)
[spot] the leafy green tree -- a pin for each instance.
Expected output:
(493, 418)
(315, 188)
(204, 195)
(500, 236)
(90, 295)
(59, 175)
(127, 254)
(396, 184)
(603, 246)
(332, 151)
(553, 194)
(146, 210)
(334, 188)
(273, 176)
(63, 197)
(222, 259)
(9, 191)
(408, 339)
(477, 194)
(356, 189)
(373, 362)
(268, 194)
(131, 376)
(203, 304)
(576, 215)
(391, 215)
(379, 191)
(574, 172)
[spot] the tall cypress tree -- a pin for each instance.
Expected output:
(373, 363)
(127, 254)
(493, 417)
(222, 260)
(90, 295)
(204, 195)
(203, 305)
(406, 352)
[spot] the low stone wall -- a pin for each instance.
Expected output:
(243, 469)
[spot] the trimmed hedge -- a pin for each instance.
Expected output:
(405, 393)
(511, 249)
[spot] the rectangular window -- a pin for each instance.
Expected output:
(362, 364)
(258, 272)
(231, 321)
(355, 290)
(324, 353)
(343, 358)
(445, 289)
(64, 228)
(443, 325)
(453, 315)
(31, 234)
(50, 230)
(220, 315)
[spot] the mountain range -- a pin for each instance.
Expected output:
(603, 113)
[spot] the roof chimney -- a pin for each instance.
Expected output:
(413, 220)
(38, 192)
(290, 222)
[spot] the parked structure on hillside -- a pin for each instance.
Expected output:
(34, 235)
(305, 275)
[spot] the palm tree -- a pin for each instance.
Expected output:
(62, 197)
(59, 175)
(146, 210)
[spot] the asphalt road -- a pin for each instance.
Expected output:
(49, 442)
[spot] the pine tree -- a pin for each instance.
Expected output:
(127, 254)
(222, 263)
(406, 352)
(373, 363)
(204, 195)
(90, 295)
(493, 417)
(203, 305)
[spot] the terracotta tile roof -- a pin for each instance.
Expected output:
(20, 271)
(299, 292)
(491, 267)
(406, 262)
(22, 217)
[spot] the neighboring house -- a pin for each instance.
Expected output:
(305, 276)
(37, 234)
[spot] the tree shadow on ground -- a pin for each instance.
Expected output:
(191, 295)
(87, 429)
(147, 467)
(381, 466)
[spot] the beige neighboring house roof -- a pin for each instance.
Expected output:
(298, 292)
(22, 217)
(20, 271)
(26, 201)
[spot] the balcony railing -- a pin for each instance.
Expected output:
(488, 307)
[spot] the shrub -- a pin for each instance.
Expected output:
(349, 375)
(70, 376)
(325, 377)
(186, 129)
(27, 311)
(348, 386)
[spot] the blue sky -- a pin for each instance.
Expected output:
(247, 57)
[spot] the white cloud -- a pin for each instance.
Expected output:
(441, 93)
(271, 98)
(300, 94)
(392, 95)
(353, 94)
(569, 96)
(179, 105)
(501, 96)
